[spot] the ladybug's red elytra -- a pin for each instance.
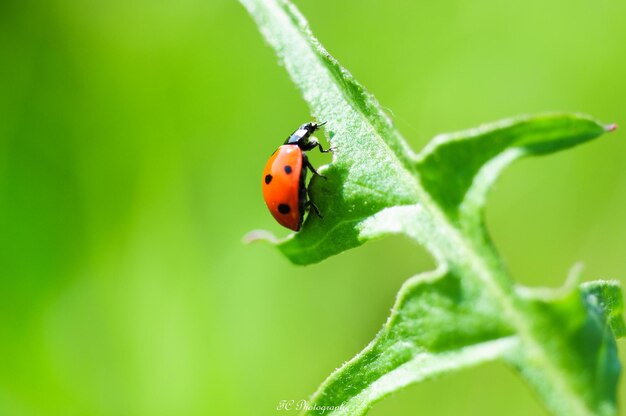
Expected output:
(284, 177)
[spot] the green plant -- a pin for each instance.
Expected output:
(468, 310)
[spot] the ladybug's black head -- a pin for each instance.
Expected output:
(312, 126)
(303, 136)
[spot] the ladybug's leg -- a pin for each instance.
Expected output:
(312, 143)
(330, 149)
(317, 143)
(310, 204)
(308, 165)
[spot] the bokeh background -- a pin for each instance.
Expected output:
(132, 138)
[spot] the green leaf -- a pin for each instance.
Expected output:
(573, 329)
(469, 310)
(439, 323)
(458, 169)
(442, 323)
(605, 298)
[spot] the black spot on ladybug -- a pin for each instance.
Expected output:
(284, 208)
(268, 179)
(287, 169)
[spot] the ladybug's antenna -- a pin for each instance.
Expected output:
(321, 124)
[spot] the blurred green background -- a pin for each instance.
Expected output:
(132, 139)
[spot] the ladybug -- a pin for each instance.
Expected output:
(284, 177)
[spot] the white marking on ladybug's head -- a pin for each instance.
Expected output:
(301, 132)
(312, 142)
